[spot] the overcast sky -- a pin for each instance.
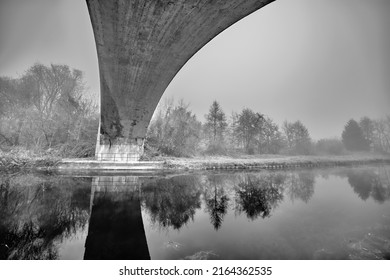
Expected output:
(318, 61)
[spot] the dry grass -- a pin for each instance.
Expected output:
(15, 160)
(272, 161)
(19, 159)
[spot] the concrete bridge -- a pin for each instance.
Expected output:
(141, 45)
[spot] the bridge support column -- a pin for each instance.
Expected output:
(119, 150)
(141, 45)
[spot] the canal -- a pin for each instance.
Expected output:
(332, 213)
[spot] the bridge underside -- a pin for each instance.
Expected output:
(141, 45)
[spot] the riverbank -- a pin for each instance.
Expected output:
(21, 160)
(224, 163)
(14, 162)
(273, 162)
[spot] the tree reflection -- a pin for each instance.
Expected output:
(258, 195)
(172, 202)
(300, 185)
(368, 183)
(216, 201)
(35, 212)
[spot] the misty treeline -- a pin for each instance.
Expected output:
(176, 131)
(47, 109)
(367, 135)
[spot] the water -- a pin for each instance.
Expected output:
(340, 213)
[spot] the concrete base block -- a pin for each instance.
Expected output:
(127, 151)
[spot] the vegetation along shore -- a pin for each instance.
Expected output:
(43, 122)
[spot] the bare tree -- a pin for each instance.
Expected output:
(270, 138)
(248, 126)
(297, 137)
(367, 127)
(382, 135)
(175, 131)
(46, 107)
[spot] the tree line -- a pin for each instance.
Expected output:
(47, 109)
(176, 131)
(367, 134)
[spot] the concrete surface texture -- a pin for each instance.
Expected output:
(141, 45)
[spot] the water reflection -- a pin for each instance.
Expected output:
(300, 185)
(172, 202)
(37, 212)
(216, 200)
(116, 230)
(143, 217)
(370, 183)
(258, 195)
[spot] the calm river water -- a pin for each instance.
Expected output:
(339, 213)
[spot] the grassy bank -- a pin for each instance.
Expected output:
(26, 160)
(272, 161)
(15, 160)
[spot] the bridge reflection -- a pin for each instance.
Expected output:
(101, 217)
(116, 230)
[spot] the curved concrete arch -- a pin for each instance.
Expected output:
(141, 45)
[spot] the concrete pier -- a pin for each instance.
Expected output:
(141, 45)
(96, 165)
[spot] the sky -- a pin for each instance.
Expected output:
(322, 62)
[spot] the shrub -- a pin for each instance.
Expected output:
(330, 147)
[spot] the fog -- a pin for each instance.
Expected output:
(320, 62)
